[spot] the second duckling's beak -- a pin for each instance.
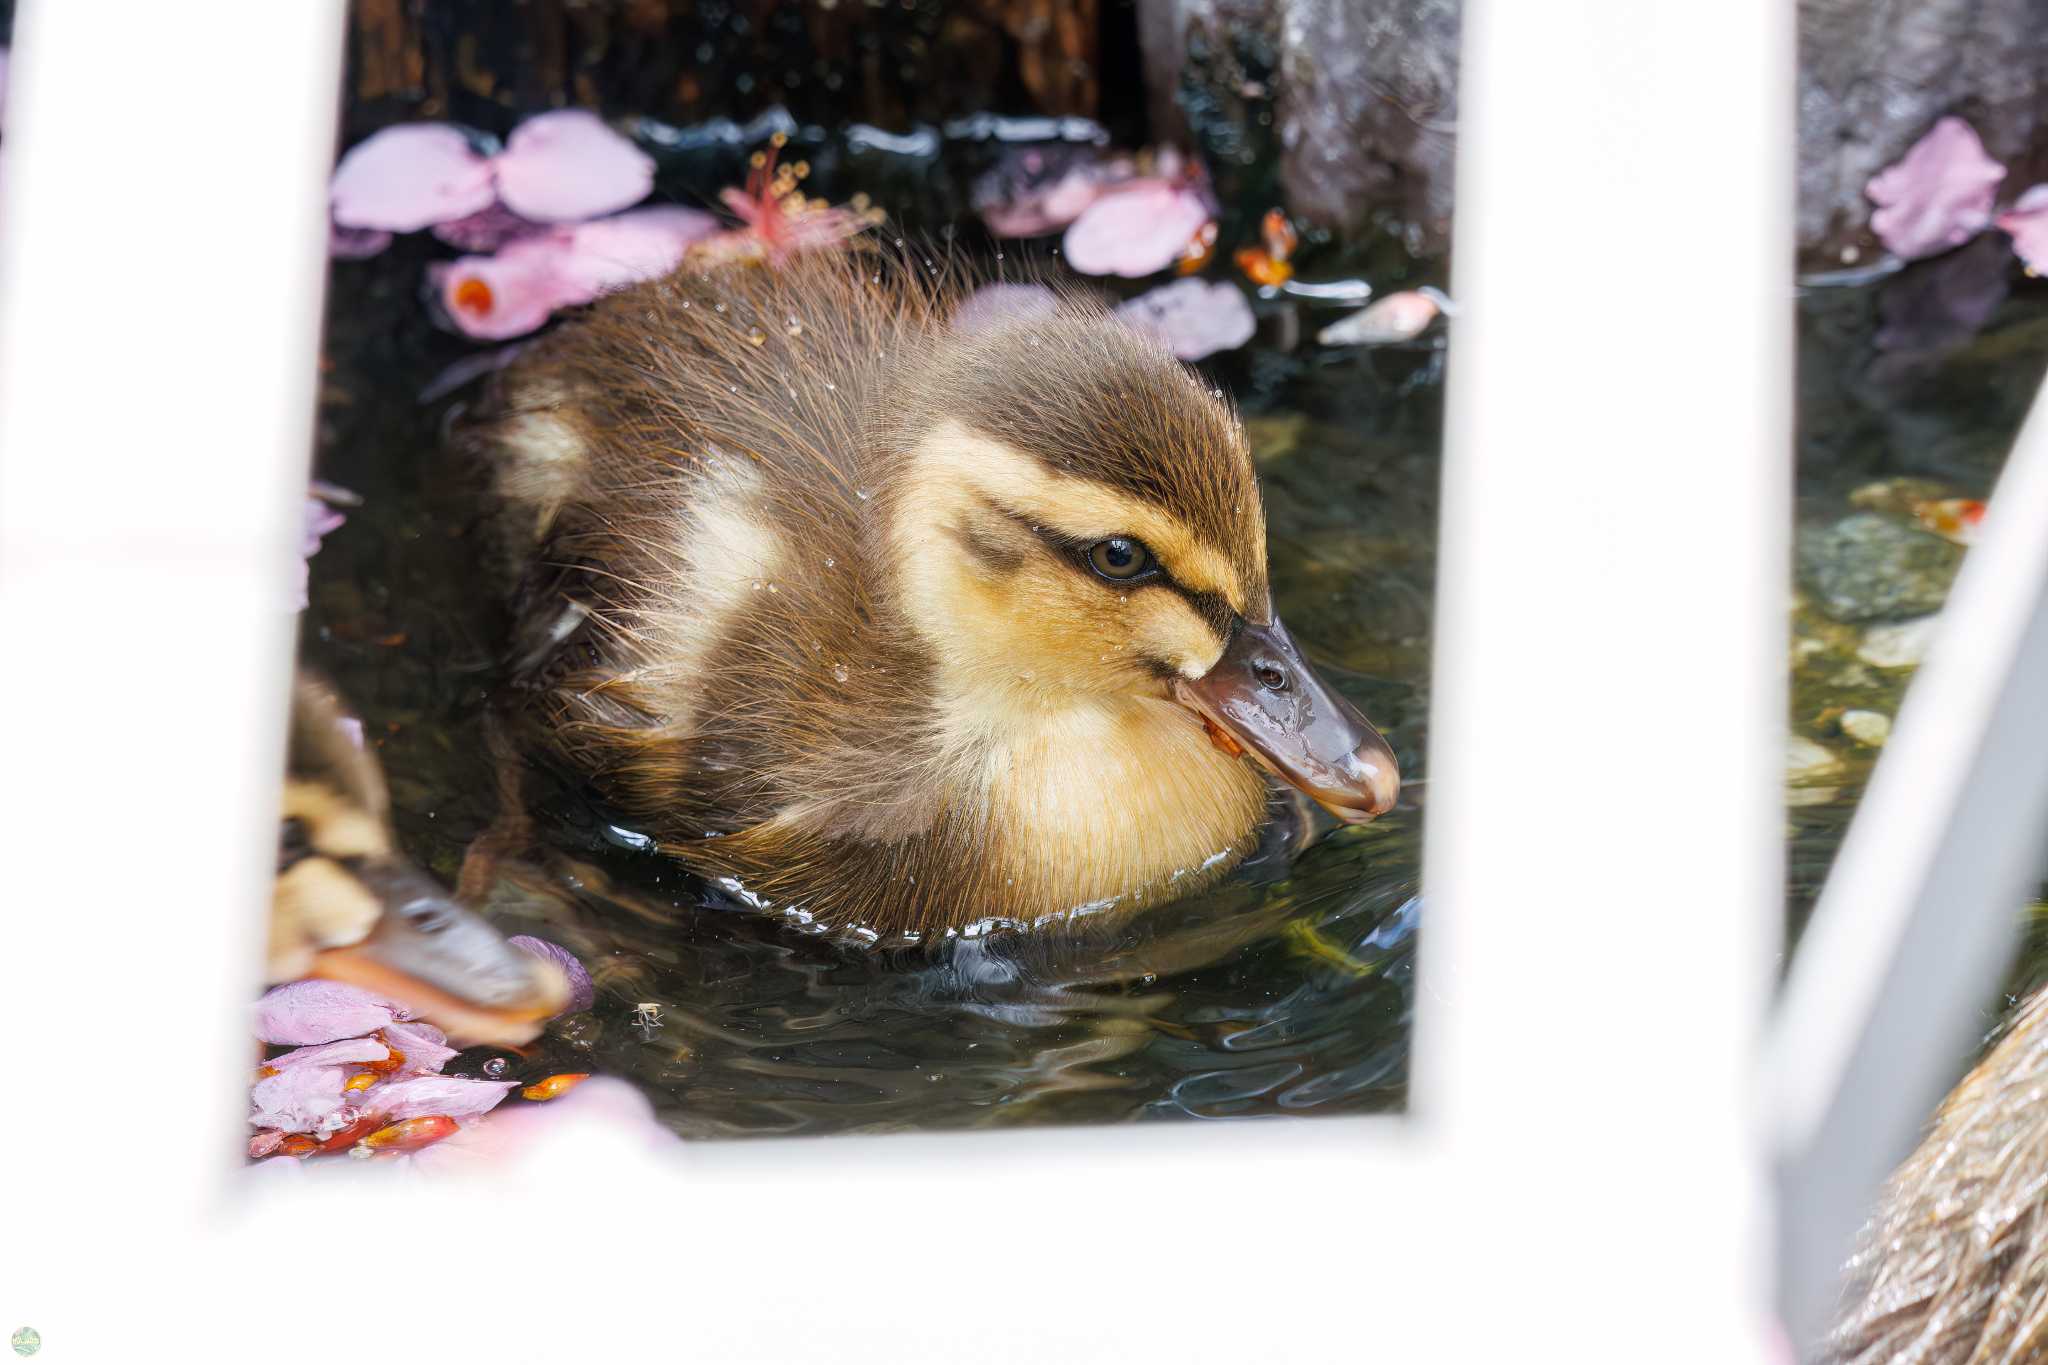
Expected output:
(446, 963)
(1265, 699)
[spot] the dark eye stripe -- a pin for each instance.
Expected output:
(1214, 609)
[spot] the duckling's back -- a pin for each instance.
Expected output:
(689, 474)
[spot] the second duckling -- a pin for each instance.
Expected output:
(901, 626)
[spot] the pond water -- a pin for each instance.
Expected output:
(1285, 991)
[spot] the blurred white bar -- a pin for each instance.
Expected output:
(162, 244)
(1605, 827)
(1883, 1003)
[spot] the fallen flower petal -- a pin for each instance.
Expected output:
(566, 166)
(582, 994)
(456, 1096)
(612, 253)
(2026, 222)
(995, 304)
(320, 1012)
(425, 1047)
(332, 1054)
(297, 1100)
(1397, 317)
(355, 244)
(1138, 229)
(1938, 195)
(1022, 201)
(515, 291)
(411, 176)
(1194, 317)
(506, 295)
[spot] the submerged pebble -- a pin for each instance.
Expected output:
(1903, 644)
(1868, 728)
(1867, 567)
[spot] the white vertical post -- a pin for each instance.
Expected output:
(1605, 838)
(1920, 909)
(161, 250)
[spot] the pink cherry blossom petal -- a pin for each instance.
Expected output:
(1938, 195)
(410, 176)
(333, 1054)
(419, 1096)
(298, 1099)
(355, 244)
(614, 252)
(1395, 318)
(992, 305)
(1138, 229)
(582, 994)
(425, 1047)
(2026, 222)
(506, 295)
(320, 1012)
(1194, 317)
(566, 166)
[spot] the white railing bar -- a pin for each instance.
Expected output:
(1604, 844)
(1916, 921)
(162, 255)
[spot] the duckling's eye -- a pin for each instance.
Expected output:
(1120, 558)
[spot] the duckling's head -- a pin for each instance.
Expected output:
(1077, 522)
(349, 906)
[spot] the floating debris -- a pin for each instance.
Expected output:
(993, 304)
(1938, 195)
(516, 291)
(2026, 222)
(1139, 228)
(1197, 318)
(560, 167)
(1395, 318)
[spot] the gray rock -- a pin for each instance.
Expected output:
(1361, 98)
(1869, 568)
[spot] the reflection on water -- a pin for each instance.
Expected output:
(1286, 990)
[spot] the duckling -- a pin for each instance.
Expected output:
(897, 626)
(1953, 1266)
(348, 906)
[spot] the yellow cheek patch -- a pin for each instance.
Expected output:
(317, 905)
(953, 458)
(1165, 627)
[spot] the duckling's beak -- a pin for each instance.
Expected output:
(446, 963)
(1265, 699)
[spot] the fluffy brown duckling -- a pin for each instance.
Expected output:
(348, 906)
(901, 626)
(1953, 1267)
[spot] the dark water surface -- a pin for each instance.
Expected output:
(1275, 994)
